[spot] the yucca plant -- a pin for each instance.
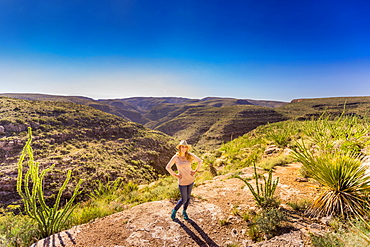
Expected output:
(344, 184)
(30, 187)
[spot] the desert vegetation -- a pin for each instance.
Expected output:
(332, 144)
(332, 150)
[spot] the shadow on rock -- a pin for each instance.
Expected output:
(207, 241)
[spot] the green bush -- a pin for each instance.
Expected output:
(281, 137)
(104, 189)
(270, 221)
(266, 224)
(326, 240)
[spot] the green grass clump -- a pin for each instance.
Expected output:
(300, 205)
(270, 162)
(17, 230)
(113, 197)
(354, 233)
(224, 222)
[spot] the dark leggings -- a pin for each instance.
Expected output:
(185, 191)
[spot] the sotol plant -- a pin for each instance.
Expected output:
(30, 187)
(345, 185)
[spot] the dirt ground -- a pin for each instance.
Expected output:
(215, 212)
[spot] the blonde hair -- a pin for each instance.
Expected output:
(188, 156)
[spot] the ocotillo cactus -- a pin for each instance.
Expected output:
(263, 193)
(49, 219)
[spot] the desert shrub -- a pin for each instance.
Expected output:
(333, 159)
(235, 211)
(327, 133)
(106, 189)
(157, 192)
(203, 176)
(269, 222)
(326, 240)
(266, 224)
(224, 222)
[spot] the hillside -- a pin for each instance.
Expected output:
(213, 122)
(303, 109)
(222, 118)
(137, 109)
(94, 144)
(207, 123)
(128, 112)
(209, 127)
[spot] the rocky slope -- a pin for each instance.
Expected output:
(213, 202)
(94, 144)
(208, 122)
(209, 127)
(221, 118)
(303, 109)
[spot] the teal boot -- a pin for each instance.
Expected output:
(186, 217)
(173, 214)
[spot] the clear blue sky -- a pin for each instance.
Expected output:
(260, 49)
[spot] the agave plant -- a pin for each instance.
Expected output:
(345, 185)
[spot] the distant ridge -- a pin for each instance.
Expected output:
(211, 121)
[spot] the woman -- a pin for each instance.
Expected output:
(183, 160)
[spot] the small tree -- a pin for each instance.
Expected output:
(30, 187)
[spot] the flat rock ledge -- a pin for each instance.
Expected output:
(212, 221)
(149, 224)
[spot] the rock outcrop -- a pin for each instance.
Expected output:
(212, 222)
